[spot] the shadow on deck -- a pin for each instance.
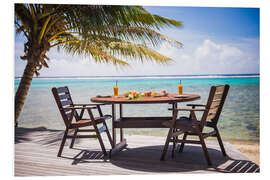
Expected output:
(36, 149)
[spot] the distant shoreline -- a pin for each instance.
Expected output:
(152, 76)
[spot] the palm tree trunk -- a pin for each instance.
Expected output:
(23, 88)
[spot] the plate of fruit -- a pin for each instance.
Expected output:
(132, 95)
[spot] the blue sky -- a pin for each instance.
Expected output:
(216, 40)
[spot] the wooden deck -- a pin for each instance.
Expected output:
(36, 150)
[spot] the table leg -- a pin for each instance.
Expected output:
(121, 115)
(122, 144)
(113, 129)
(174, 105)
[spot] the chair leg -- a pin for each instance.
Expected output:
(174, 143)
(100, 140)
(183, 144)
(108, 134)
(166, 145)
(173, 148)
(73, 139)
(220, 142)
(205, 150)
(62, 143)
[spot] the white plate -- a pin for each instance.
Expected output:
(105, 96)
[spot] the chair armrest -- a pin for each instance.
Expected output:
(187, 109)
(71, 107)
(90, 104)
(194, 105)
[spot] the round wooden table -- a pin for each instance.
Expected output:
(139, 122)
(170, 98)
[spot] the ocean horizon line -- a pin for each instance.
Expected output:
(150, 76)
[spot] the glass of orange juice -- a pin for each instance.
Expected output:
(115, 90)
(180, 88)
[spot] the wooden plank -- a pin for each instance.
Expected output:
(39, 169)
(62, 90)
(164, 118)
(215, 104)
(86, 130)
(217, 96)
(212, 133)
(66, 102)
(137, 124)
(213, 110)
(220, 88)
(37, 157)
(64, 96)
(188, 141)
(141, 122)
(211, 116)
(82, 136)
(63, 163)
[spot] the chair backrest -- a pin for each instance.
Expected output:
(63, 99)
(216, 99)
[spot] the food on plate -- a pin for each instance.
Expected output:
(135, 93)
(132, 95)
(127, 93)
(154, 94)
(164, 93)
(147, 93)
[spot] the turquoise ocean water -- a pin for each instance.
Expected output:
(239, 119)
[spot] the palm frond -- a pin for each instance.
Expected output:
(110, 34)
(136, 34)
(115, 47)
(43, 29)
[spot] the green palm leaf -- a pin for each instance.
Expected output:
(108, 34)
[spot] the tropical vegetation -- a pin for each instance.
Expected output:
(105, 34)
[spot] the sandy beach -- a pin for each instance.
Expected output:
(250, 148)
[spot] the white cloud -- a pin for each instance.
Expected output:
(219, 52)
(212, 57)
(200, 55)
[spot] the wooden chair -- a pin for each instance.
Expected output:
(191, 126)
(69, 112)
